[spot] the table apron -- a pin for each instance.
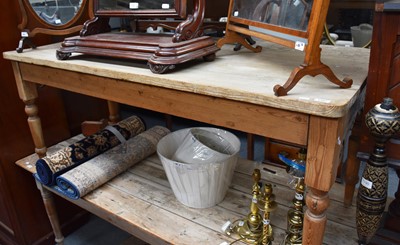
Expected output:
(261, 120)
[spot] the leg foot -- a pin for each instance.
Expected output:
(62, 56)
(312, 70)
(160, 69)
(48, 201)
(315, 216)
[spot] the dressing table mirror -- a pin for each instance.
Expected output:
(296, 24)
(51, 17)
(162, 51)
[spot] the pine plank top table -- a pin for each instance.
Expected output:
(234, 91)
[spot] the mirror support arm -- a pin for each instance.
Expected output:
(23, 42)
(95, 26)
(191, 27)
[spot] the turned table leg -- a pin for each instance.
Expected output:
(315, 216)
(35, 127)
(113, 109)
(323, 152)
(28, 93)
(40, 148)
(51, 211)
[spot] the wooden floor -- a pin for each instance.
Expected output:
(147, 183)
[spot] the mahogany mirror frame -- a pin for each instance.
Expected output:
(238, 29)
(162, 51)
(32, 24)
(179, 10)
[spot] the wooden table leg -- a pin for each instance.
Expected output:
(40, 148)
(315, 216)
(352, 168)
(168, 121)
(28, 93)
(250, 146)
(35, 127)
(323, 151)
(113, 109)
(49, 205)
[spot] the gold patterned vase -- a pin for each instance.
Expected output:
(383, 121)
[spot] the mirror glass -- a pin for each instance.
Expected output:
(135, 4)
(292, 14)
(56, 12)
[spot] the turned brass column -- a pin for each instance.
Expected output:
(250, 229)
(256, 227)
(267, 206)
(295, 216)
(383, 121)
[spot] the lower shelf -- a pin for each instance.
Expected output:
(141, 202)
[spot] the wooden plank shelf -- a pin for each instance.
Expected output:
(141, 202)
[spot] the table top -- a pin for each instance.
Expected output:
(240, 76)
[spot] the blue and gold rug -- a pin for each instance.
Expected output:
(49, 167)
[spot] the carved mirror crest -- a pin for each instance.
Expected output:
(51, 17)
(296, 24)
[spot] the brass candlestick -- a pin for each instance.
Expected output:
(383, 121)
(254, 218)
(255, 228)
(267, 205)
(295, 216)
(250, 229)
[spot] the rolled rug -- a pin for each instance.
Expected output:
(86, 177)
(51, 166)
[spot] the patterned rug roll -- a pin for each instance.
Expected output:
(86, 177)
(51, 166)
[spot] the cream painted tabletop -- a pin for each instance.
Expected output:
(242, 75)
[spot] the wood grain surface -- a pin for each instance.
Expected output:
(241, 76)
(141, 202)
